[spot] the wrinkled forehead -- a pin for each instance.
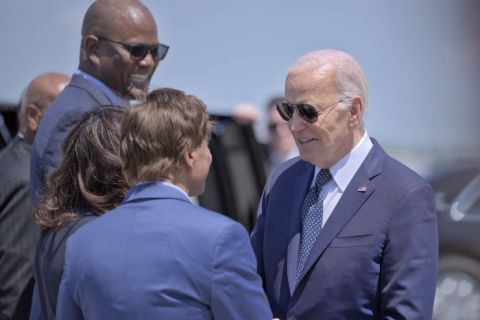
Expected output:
(302, 86)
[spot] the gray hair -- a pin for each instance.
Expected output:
(350, 79)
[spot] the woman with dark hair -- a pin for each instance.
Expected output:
(87, 183)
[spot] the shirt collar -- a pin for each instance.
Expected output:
(112, 97)
(170, 185)
(344, 170)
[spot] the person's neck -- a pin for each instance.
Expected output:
(178, 181)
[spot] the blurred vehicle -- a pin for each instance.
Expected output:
(237, 174)
(457, 196)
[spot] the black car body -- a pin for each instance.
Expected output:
(457, 196)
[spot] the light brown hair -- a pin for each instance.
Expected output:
(156, 133)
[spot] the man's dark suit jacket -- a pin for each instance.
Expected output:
(375, 258)
(17, 233)
(78, 97)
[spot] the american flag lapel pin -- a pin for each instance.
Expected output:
(362, 189)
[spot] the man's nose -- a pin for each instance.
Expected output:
(296, 124)
(148, 61)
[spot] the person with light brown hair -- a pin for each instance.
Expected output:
(88, 182)
(158, 255)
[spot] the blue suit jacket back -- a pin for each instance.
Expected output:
(159, 256)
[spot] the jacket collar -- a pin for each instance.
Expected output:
(154, 190)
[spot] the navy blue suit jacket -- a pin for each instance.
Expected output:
(375, 258)
(78, 97)
(159, 256)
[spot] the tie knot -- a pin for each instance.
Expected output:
(323, 177)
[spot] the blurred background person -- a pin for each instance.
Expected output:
(158, 255)
(280, 143)
(87, 183)
(17, 240)
(119, 54)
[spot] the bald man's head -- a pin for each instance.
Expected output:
(36, 98)
(110, 29)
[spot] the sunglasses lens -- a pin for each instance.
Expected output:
(307, 112)
(139, 52)
(160, 52)
(285, 110)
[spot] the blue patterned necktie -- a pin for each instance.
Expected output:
(312, 217)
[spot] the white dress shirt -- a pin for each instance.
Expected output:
(342, 173)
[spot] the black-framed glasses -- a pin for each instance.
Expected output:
(139, 51)
(304, 110)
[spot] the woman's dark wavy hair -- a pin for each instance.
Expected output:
(89, 178)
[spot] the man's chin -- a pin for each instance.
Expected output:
(137, 93)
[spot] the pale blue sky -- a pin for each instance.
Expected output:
(419, 56)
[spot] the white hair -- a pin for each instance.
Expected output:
(350, 80)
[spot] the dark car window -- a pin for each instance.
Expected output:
(237, 174)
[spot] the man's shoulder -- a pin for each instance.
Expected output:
(62, 114)
(394, 173)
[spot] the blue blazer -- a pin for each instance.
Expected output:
(78, 97)
(159, 256)
(375, 258)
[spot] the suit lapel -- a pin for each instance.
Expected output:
(301, 186)
(357, 192)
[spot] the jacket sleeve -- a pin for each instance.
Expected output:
(236, 290)
(409, 268)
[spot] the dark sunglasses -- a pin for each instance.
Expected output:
(138, 52)
(305, 111)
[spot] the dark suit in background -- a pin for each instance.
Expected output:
(17, 233)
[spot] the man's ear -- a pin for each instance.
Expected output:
(34, 115)
(188, 158)
(92, 49)
(356, 111)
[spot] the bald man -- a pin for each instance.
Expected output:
(17, 240)
(119, 53)
(344, 231)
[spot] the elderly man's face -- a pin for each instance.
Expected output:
(128, 76)
(325, 141)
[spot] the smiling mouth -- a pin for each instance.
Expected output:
(139, 79)
(305, 140)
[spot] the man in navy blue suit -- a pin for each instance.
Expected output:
(158, 255)
(119, 53)
(344, 231)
